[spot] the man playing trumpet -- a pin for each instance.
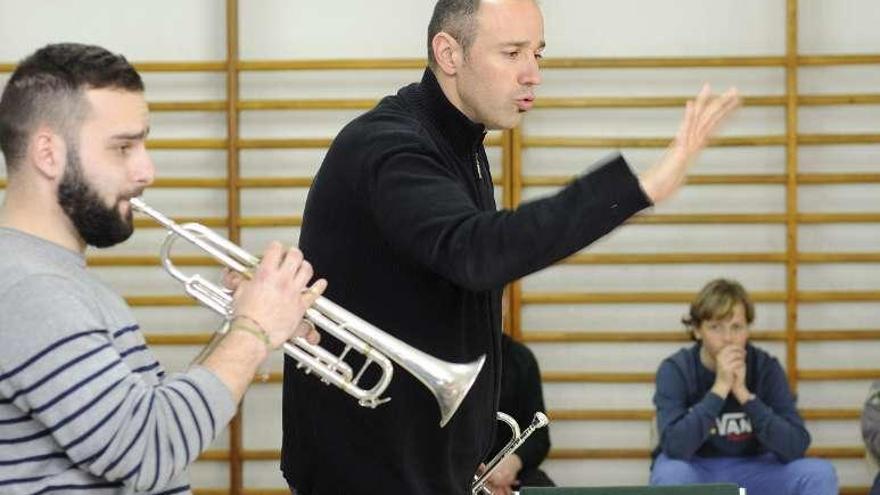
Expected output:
(402, 217)
(84, 405)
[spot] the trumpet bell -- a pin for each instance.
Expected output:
(449, 394)
(448, 382)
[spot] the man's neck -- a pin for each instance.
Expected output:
(447, 85)
(43, 219)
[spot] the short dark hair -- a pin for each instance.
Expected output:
(48, 88)
(458, 18)
(716, 301)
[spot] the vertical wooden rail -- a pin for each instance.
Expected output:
(236, 447)
(791, 191)
(516, 185)
(506, 167)
(507, 203)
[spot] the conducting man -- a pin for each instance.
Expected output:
(401, 216)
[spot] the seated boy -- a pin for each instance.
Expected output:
(725, 412)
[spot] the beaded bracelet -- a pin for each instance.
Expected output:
(256, 330)
(260, 333)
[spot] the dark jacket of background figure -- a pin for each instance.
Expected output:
(521, 397)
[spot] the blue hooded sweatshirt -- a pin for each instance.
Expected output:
(692, 420)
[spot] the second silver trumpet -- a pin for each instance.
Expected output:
(517, 438)
(449, 382)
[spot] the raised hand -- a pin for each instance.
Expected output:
(702, 118)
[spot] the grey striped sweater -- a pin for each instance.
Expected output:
(84, 405)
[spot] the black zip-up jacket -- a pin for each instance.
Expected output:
(401, 220)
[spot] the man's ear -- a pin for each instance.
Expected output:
(447, 53)
(48, 152)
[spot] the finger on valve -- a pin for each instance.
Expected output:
(306, 329)
(312, 293)
(231, 279)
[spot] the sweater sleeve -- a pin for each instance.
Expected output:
(59, 367)
(777, 424)
(682, 429)
(428, 215)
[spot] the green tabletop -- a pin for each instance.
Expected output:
(714, 489)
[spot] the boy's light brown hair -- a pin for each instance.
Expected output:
(716, 301)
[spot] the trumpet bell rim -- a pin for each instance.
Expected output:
(450, 403)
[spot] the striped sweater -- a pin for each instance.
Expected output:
(84, 405)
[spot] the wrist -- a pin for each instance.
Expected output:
(649, 187)
(721, 390)
(245, 323)
(253, 342)
(743, 395)
(253, 333)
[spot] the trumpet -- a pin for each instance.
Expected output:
(539, 421)
(448, 382)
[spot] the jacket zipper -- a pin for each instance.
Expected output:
(477, 165)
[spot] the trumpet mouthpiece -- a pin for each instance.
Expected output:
(541, 420)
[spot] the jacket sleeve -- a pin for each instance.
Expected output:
(683, 430)
(774, 416)
(427, 214)
(59, 367)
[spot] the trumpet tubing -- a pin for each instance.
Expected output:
(448, 382)
(540, 420)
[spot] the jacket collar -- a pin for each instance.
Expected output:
(460, 131)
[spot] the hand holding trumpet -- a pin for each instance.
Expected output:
(267, 311)
(504, 480)
(277, 296)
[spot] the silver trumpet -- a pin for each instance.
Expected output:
(449, 382)
(539, 421)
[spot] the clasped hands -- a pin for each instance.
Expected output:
(730, 374)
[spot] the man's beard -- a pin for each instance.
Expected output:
(98, 225)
